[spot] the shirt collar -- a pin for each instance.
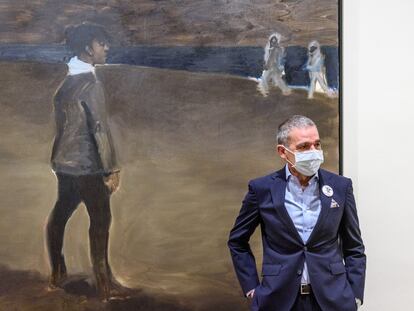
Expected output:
(289, 174)
(76, 66)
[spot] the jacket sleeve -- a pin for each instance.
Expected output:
(93, 102)
(60, 120)
(352, 245)
(241, 254)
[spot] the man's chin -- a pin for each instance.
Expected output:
(100, 62)
(294, 171)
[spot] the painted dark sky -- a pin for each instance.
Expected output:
(173, 22)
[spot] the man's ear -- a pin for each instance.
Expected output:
(88, 50)
(281, 150)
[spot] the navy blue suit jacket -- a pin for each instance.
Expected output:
(334, 252)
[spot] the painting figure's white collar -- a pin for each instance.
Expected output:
(76, 66)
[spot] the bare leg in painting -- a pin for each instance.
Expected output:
(279, 82)
(263, 85)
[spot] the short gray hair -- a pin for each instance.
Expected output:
(296, 121)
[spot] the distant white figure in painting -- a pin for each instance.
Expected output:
(316, 68)
(273, 67)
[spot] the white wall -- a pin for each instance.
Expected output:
(378, 117)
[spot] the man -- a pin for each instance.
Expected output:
(313, 254)
(273, 66)
(83, 156)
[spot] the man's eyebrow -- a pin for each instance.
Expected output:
(306, 143)
(303, 144)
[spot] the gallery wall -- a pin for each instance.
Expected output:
(378, 148)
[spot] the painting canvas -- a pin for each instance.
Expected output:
(194, 92)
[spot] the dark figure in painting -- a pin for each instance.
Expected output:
(83, 157)
(273, 66)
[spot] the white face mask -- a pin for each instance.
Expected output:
(307, 162)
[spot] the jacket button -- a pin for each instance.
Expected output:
(305, 249)
(299, 272)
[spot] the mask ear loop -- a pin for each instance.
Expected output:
(287, 160)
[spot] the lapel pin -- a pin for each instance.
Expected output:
(327, 190)
(334, 204)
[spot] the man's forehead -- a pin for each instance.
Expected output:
(303, 134)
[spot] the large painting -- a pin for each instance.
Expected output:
(194, 91)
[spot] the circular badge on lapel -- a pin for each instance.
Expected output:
(327, 190)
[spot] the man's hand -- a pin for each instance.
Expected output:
(250, 294)
(112, 182)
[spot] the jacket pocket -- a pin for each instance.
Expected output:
(337, 268)
(269, 269)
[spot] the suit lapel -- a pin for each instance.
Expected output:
(325, 202)
(277, 190)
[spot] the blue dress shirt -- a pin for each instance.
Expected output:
(303, 206)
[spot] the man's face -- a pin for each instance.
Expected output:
(300, 139)
(99, 50)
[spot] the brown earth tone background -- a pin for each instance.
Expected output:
(188, 144)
